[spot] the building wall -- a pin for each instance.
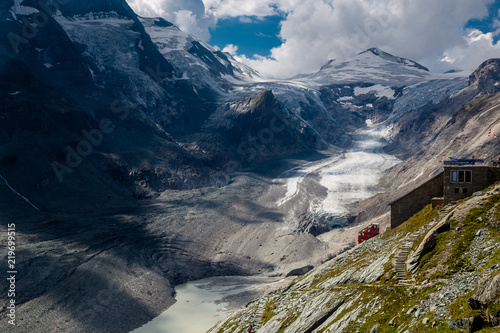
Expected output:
(407, 206)
(443, 186)
(481, 178)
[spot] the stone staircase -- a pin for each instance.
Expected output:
(256, 320)
(401, 257)
(402, 253)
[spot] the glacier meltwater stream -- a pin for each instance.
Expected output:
(348, 177)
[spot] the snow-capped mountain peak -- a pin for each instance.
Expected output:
(372, 65)
(389, 57)
(194, 58)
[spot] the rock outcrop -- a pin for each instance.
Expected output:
(428, 243)
(487, 288)
(487, 77)
(359, 291)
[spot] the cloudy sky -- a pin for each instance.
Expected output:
(281, 38)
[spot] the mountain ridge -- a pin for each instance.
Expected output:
(357, 290)
(168, 151)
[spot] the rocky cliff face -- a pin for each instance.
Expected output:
(487, 77)
(101, 108)
(368, 289)
(169, 97)
(260, 127)
(458, 126)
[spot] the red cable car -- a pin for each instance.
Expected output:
(369, 232)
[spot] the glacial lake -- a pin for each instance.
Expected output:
(202, 303)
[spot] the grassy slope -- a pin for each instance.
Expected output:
(461, 256)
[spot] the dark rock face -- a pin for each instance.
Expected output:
(487, 76)
(471, 324)
(300, 271)
(359, 107)
(216, 68)
(259, 127)
(57, 98)
(82, 130)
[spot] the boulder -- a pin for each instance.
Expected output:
(486, 289)
(428, 243)
(469, 324)
(486, 76)
(300, 271)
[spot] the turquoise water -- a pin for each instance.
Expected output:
(199, 306)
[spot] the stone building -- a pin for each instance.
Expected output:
(458, 180)
(411, 203)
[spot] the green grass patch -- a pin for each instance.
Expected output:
(289, 320)
(435, 257)
(393, 299)
(461, 308)
(439, 327)
(493, 260)
(467, 233)
(359, 261)
(229, 326)
(416, 222)
(268, 311)
(494, 305)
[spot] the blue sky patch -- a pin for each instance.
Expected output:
(486, 24)
(252, 34)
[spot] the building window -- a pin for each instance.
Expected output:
(464, 190)
(461, 176)
(457, 190)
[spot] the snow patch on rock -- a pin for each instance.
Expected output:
(378, 90)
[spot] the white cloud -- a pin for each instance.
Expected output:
(422, 30)
(245, 19)
(315, 31)
(189, 15)
(236, 8)
(231, 49)
(476, 48)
